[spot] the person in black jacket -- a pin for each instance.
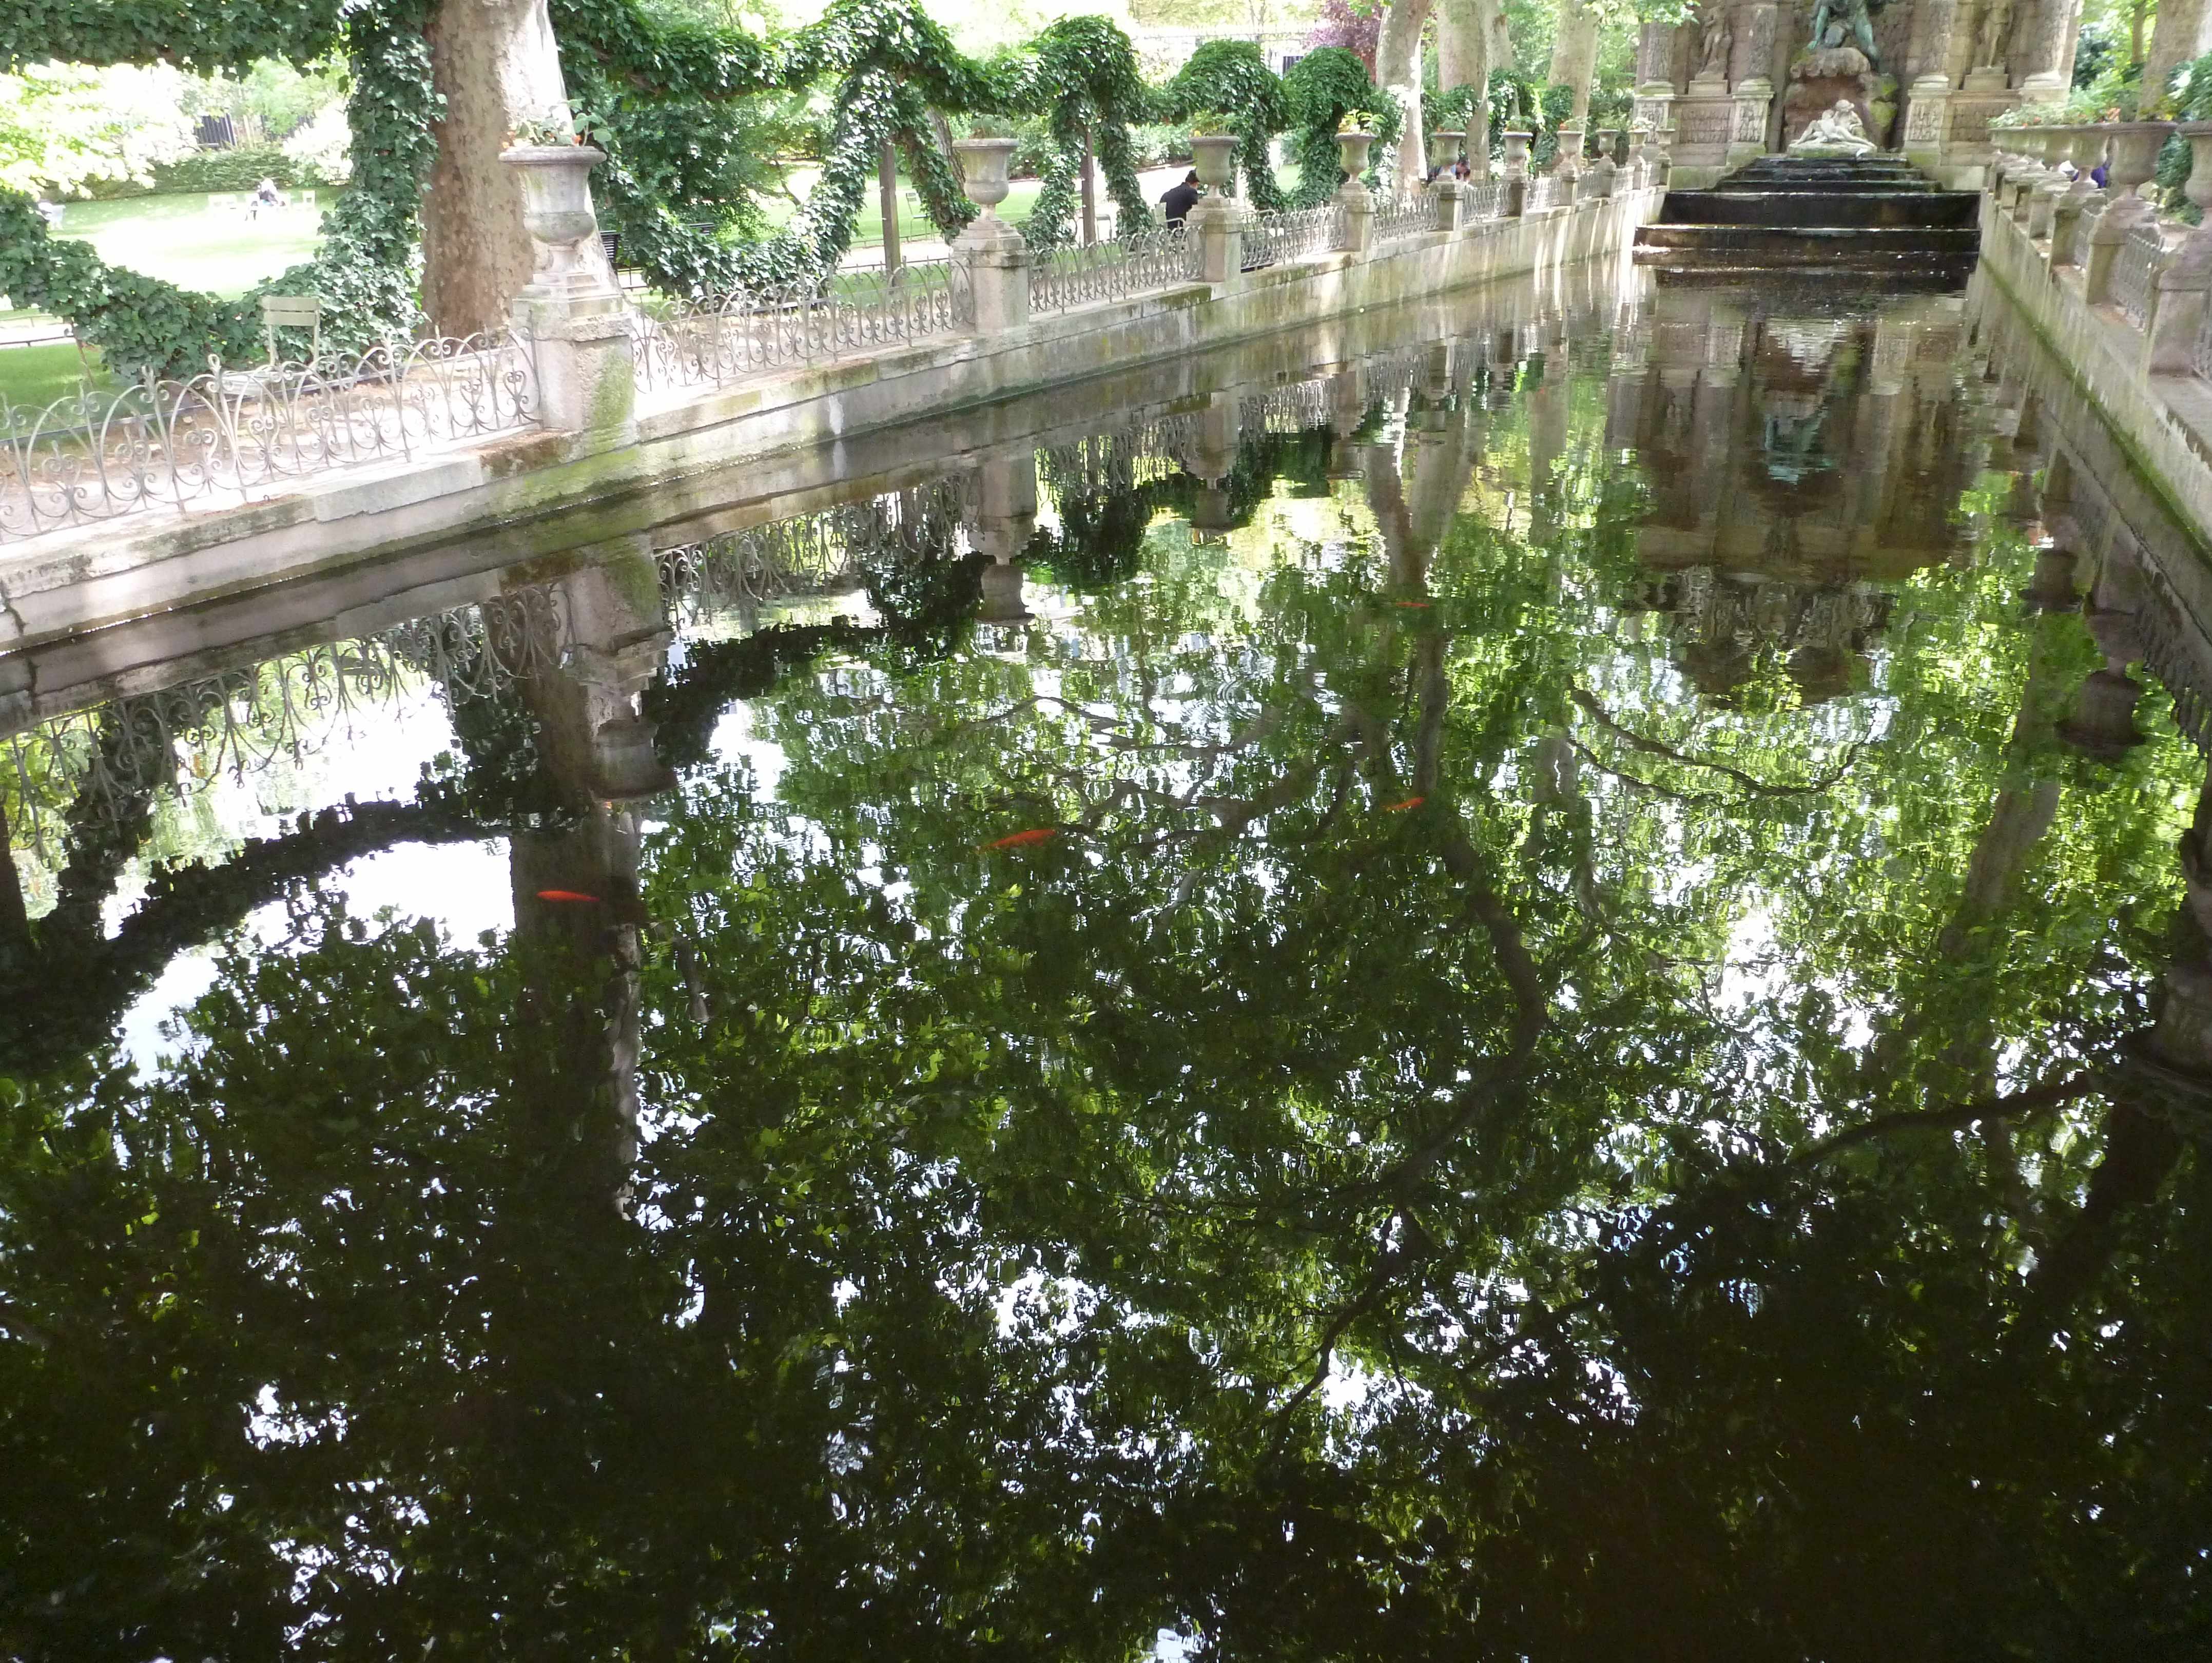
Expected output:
(1178, 201)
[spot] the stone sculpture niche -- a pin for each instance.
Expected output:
(1839, 63)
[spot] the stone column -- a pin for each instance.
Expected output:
(996, 260)
(1656, 49)
(2178, 312)
(2042, 41)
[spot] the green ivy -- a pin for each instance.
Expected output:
(1085, 79)
(1232, 77)
(1323, 90)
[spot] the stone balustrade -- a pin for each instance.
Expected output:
(2119, 290)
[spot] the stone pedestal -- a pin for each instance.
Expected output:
(1747, 136)
(1217, 226)
(1927, 121)
(1705, 127)
(997, 263)
(1358, 203)
(570, 311)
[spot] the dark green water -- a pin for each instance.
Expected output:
(1549, 1016)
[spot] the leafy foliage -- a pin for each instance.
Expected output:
(1324, 90)
(1232, 77)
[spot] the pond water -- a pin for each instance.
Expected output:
(1531, 996)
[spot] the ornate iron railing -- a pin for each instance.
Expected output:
(1589, 185)
(1485, 198)
(1148, 258)
(235, 433)
(752, 331)
(1406, 214)
(1281, 235)
(1544, 191)
(243, 721)
(2135, 268)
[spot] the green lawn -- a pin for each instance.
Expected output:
(39, 374)
(914, 225)
(182, 240)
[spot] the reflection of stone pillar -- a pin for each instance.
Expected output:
(1212, 455)
(1006, 519)
(577, 909)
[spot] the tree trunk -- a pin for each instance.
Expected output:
(495, 63)
(2135, 15)
(2178, 37)
(1463, 60)
(1574, 54)
(1398, 71)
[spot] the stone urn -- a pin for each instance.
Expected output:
(1445, 144)
(2134, 153)
(2198, 190)
(983, 165)
(1570, 163)
(1215, 155)
(1638, 136)
(1352, 148)
(1516, 154)
(557, 208)
(1608, 145)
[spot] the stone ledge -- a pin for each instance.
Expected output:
(2163, 422)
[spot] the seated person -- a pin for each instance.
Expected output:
(1179, 201)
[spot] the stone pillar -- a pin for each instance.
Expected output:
(1515, 165)
(2179, 296)
(1656, 51)
(1451, 203)
(996, 260)
(1748, 134)
(2042, 43)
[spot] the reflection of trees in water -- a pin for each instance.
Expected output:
(1524, 1222)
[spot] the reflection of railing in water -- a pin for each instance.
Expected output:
(1127, 458)
(813, 554)
(241, 723)
(1294, 407)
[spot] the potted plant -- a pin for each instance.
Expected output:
(1213, 141)
(1354, 139)
(985, 156)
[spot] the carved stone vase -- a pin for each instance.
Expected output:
(983, 165)
(557, 210)
(1215, 155)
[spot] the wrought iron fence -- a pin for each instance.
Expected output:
(1406, 214)
(1589, 185)
(2135, 268)
(241, 723)
(1149, 257)
(1544, 191)
(750, 332)
(1485, 198)
(1281, 235)
(231, 432)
